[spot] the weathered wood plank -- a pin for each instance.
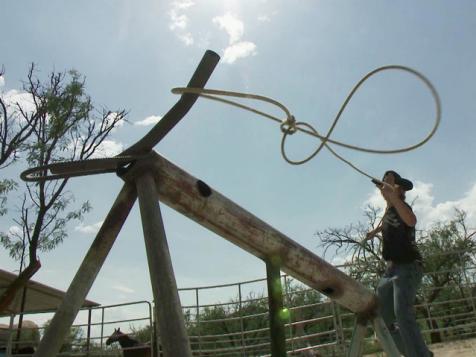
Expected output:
(194, 199)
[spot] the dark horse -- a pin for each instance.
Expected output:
(130, 347)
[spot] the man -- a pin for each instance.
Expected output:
(397, 288)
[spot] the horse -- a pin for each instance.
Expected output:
(130, 346)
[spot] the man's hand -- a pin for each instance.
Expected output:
(389, 193)
(373, 233)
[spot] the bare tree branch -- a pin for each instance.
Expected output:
(13, 131)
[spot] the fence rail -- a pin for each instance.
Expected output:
(239, 327)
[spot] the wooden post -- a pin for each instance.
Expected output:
(169, 313)
(357, 343)
(22, 310)
(86, 274)
(88, 336)
(177, 112)
(9, 348)
(277, 316)
(196, 200)
(385, 337)
(92, 263)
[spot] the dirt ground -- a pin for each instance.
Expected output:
(466, 348)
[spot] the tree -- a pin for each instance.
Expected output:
(364, 260)
(306, 305)
(447, 249)
(6, 186)
(13, 133)
(62, 125)
(142, 334)
(245, 326)
(221, 326)
(15, 127)
(74, 341)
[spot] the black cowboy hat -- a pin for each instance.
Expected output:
(404, 183)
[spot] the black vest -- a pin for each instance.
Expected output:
(398, 239)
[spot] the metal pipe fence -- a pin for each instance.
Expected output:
(240, 326)
(100, 323)
(446, 312)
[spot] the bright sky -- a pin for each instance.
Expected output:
(306, 54)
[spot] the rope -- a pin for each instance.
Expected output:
(289, 125)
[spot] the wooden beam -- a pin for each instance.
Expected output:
(86, 274)
(385, 337)
(357, 343)
(168, 310)
(196, 200)
(275, 304)
(177, 112)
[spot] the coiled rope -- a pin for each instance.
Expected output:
(289, 125)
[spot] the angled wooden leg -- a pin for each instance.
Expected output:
(357, 343)
(385, 338)
(87, 272)
(169, 315)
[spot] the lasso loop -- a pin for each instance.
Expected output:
(289, 125)
(299, 126)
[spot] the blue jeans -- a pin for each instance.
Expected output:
(396, 294)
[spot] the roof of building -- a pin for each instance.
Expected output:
(39, 297)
